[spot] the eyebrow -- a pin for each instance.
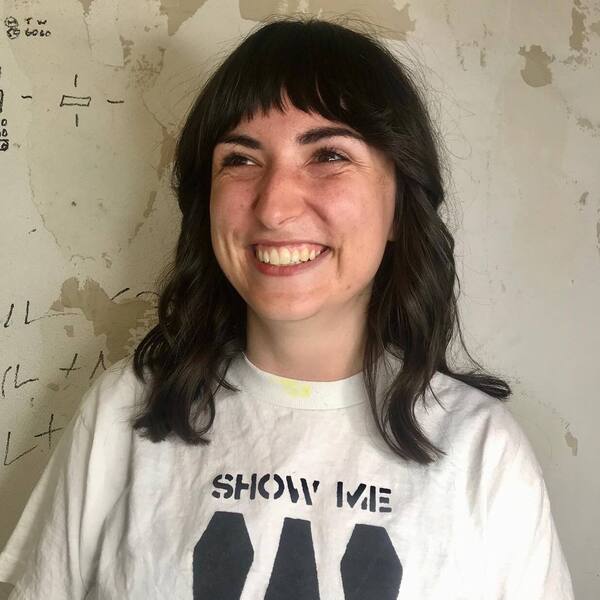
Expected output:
(308, 137)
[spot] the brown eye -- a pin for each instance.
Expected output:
(330, 155)
(234, 160)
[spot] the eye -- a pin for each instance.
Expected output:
(234, 160)
(327, 153)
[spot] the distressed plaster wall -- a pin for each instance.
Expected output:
(92, 93)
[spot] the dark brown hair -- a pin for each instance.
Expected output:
(347, 76)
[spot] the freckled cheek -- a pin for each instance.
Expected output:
(222, 219)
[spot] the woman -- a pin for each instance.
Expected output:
(347, 459)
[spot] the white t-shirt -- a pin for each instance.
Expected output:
(296, 497)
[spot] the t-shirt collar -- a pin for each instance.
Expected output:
(297, 393)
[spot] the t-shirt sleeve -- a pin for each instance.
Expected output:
(524, 555)
(48, 553)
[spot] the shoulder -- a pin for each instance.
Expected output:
(472, 426)
(113, 396)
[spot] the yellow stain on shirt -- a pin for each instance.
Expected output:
(293, 388)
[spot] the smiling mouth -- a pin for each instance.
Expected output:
(287, 269)
(301, 254)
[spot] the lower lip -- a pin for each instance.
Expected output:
(282, 271)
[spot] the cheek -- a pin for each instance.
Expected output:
(351, 206)
(360, 215)
(225, 205)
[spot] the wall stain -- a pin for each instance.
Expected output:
(536, 72)
(145, 71)
(126, 46)
(586, 124)
(461, 56)
(483, 51)
(473, 44)
(583, 198)
(395, 23)
(116, 320)
(107, 260)
(572, 442)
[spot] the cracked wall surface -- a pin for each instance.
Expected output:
(92, 96)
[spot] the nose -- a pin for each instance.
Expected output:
(279, 195)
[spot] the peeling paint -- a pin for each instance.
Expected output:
(396, 22)
(572, 442)
(178, 11)
(461, 57)
(167, 150)
(482, 58)
(115, 320)
(69, 330)
(147, 213)
(536, 72)
(86, 4)
(578, 33)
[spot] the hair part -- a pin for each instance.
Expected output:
(350, 77)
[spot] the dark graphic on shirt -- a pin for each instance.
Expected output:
(370, 568)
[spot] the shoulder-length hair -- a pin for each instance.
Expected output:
(350, 77)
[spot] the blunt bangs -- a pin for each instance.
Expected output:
(323, 68)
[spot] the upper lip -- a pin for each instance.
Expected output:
(285, 243)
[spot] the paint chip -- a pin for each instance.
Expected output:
(572, 442)
(536, 72)
(579, 35)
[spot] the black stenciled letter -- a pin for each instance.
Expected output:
(294, 574)
(222, 558)
(371, 569)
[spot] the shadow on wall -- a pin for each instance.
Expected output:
(5, 590)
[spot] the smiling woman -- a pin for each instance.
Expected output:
(284, 194)
(305, 322)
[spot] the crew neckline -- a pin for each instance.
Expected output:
(296, 393)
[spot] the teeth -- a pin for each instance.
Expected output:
(285, 257)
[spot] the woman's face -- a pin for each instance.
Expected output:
(277, 178)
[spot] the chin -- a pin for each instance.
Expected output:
(284, 311)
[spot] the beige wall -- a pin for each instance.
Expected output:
(87, 218)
